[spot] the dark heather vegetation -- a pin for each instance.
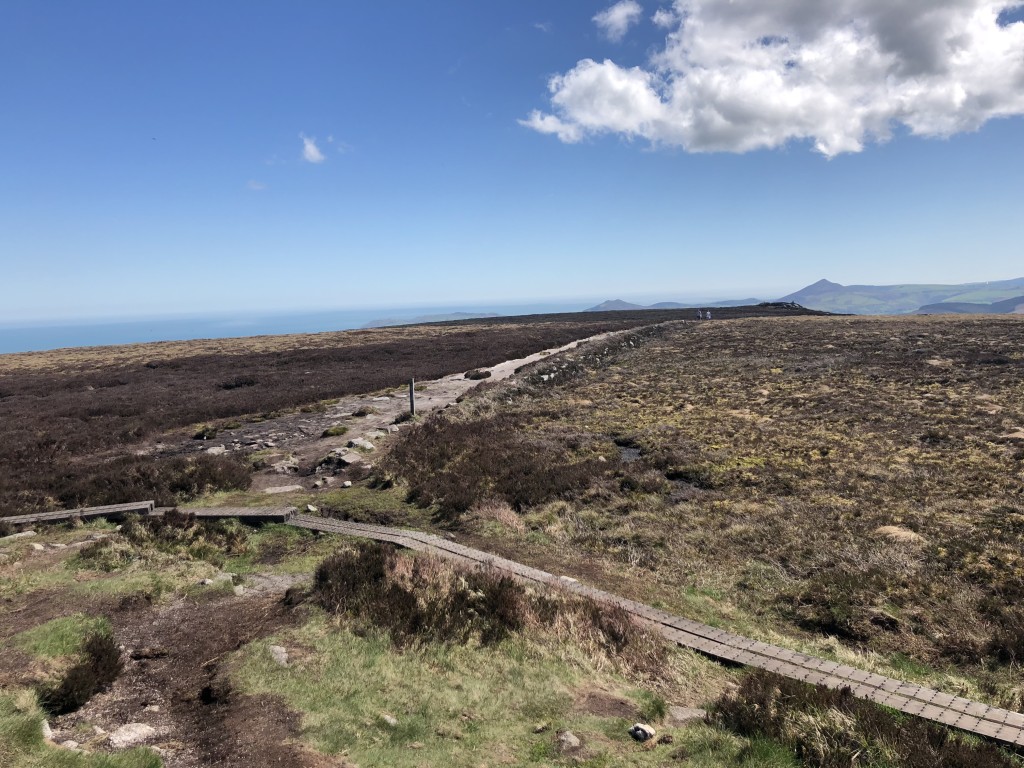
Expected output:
(832, 729)
(426, 599)
(65, 414)
(98, 668)
(860, 478)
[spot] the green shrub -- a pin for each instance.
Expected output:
(336, 431)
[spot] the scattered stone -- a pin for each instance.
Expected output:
(279, 654)
(312, 508)
(283, 489)
(347, 484)
(318, 484)
(541, 727)
(47, 731)
(239, 590)
(381, 399)
(349, 458)
(376, 434)
(360, 442)
(641, 732)
(55, 545)
(216, 450)
(38, 547)
(678, 716)
(16, 536)
(69, 744)
(206, 583)
(389, 719)
(328, 482)
(392, 428)
(568, 742)
(130, 735)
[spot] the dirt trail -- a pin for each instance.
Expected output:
(291, 445)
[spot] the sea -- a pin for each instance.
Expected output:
(40, 335)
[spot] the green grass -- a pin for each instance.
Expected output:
(456, 703)
(60, 637)
(22, 744)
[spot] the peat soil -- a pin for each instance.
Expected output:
(175, 682)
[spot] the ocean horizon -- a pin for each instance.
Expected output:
(41, 336)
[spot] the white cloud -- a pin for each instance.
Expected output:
(664, 18)
(543, 26)
(739, 75)
(310, 151)
(616, 20)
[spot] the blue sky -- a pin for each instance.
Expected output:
(151, 159)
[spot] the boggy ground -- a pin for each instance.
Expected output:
(71, 419)
(854, 485)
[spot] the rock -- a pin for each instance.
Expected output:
(678, 716)
(38, 547)
(216, 450)
(392, 428)
(69, 744)
(328, 482)
(348, 458)
(312, 508)
(283, 489)
(381, 399)
(16, 536)
(568, 742)
(347, 484)
(541, 727)
(279, 654)
(130, 735)
(389, 719)
(239, 590)
(318, 484)
(47, 731)
(375, 435)
(359, 442)
(641, 732)
(206, 582)
(55, 545)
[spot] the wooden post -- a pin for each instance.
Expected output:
(412, 397)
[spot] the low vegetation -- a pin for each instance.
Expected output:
(853, 479)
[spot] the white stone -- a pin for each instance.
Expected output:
(567, 741)
(130, 735)
(206, 582)
(47, 731)
(279, 654)
(312, 508)
(216, 450)
(38, 547)
(641, 732)
(347, 484)
(389, 719)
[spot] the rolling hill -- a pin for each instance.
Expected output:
(901, 299)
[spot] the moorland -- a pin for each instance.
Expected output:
(849, 487)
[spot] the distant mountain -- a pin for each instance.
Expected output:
(1014, 306)
(388, 321)
(620, 305)
(615, 305)
(900, 299)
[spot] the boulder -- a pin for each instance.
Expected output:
(347, 484)
(216, 450)
(349, 458)
(131, 734)
(359, 442)
(678, 716)
(279, 654)
(568, 742)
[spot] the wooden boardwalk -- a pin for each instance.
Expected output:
(998, 724)
(975, 717)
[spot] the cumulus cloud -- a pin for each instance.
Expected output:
(616, 20)
(740, 75)
(310, 151)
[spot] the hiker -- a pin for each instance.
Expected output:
(700, 316)
(709, 314)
